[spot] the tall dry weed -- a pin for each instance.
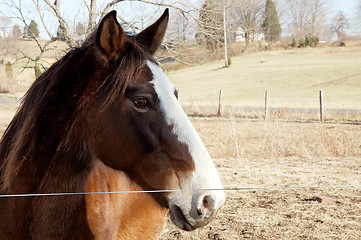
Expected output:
(7, 82)
(249, 139)
(18, 83)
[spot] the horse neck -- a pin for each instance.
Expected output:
(67, 171)
(35, 153)
(44, 137)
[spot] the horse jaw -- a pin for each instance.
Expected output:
(197, 204)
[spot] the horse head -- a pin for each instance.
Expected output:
(135, 123)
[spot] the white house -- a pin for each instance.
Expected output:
(240, 36)
(3, 34)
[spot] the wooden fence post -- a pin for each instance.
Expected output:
(265, 105)
(219, 113)
(321, 105)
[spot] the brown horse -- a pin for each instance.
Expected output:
(106, 102)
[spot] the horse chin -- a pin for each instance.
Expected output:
(186, 222)
(178, 218)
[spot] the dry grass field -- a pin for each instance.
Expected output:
(281, 161)
(256, 154)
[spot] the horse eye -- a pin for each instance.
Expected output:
(141, 102)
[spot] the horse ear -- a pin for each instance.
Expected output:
(110, 36)
(152, 37)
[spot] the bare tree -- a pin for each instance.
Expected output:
(178, 31)
(79, 29)
(319, 10)
(340, 25)
(248, 16)
(6, 43)
(18, 12)
(45, 6)
(298, 15)
(50, 10)
(5, 25)
(306, 17)
(210, 25)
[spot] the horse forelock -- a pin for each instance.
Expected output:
(127, 70)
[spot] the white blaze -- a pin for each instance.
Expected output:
(206, 175)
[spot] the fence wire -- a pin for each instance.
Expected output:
(178, 190)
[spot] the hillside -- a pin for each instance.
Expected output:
(293, 78)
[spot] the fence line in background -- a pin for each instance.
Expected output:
(266, 107)
(265, 104)
(219, 112)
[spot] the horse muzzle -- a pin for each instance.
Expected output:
(200, 211)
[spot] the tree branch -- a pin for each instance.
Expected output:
(86, 5)
(41, 17)
(63, 25)
(173, 5)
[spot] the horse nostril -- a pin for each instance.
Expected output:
(206, 202)
(207, 207)
(199, 212)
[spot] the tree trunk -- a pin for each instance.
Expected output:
(246, 35)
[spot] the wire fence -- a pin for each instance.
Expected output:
(220, 109)
(178, 190)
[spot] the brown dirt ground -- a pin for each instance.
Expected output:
(277, 153)
(280, 153)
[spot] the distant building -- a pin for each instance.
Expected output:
(240, 36)
(3, 34)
